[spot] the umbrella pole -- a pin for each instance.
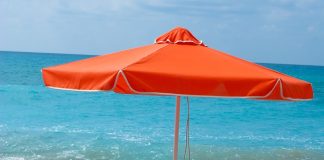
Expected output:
(176, 129)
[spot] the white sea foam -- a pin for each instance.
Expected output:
(70, 154)
(128, 137)
(65, 129)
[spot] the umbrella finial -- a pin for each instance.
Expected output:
(179, 35)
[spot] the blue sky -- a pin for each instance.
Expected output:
(274, 31)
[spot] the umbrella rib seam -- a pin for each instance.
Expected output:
(151, 54)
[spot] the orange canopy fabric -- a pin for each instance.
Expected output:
(177, 64)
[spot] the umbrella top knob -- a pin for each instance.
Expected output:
(179, 35)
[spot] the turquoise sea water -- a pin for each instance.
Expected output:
(42, 123)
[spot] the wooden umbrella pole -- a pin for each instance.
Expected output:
(176, 129)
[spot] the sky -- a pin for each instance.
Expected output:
(268, 31)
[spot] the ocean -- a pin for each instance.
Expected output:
(42, 123)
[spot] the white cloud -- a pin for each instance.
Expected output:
(100, 26)
(99, 6)
(298, 3)
(279, 14)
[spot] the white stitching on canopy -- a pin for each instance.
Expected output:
(120, 72)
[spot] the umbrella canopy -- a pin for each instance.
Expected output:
(177, 64)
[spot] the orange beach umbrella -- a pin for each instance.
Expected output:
(176, 64)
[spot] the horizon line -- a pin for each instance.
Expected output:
(81, 54)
